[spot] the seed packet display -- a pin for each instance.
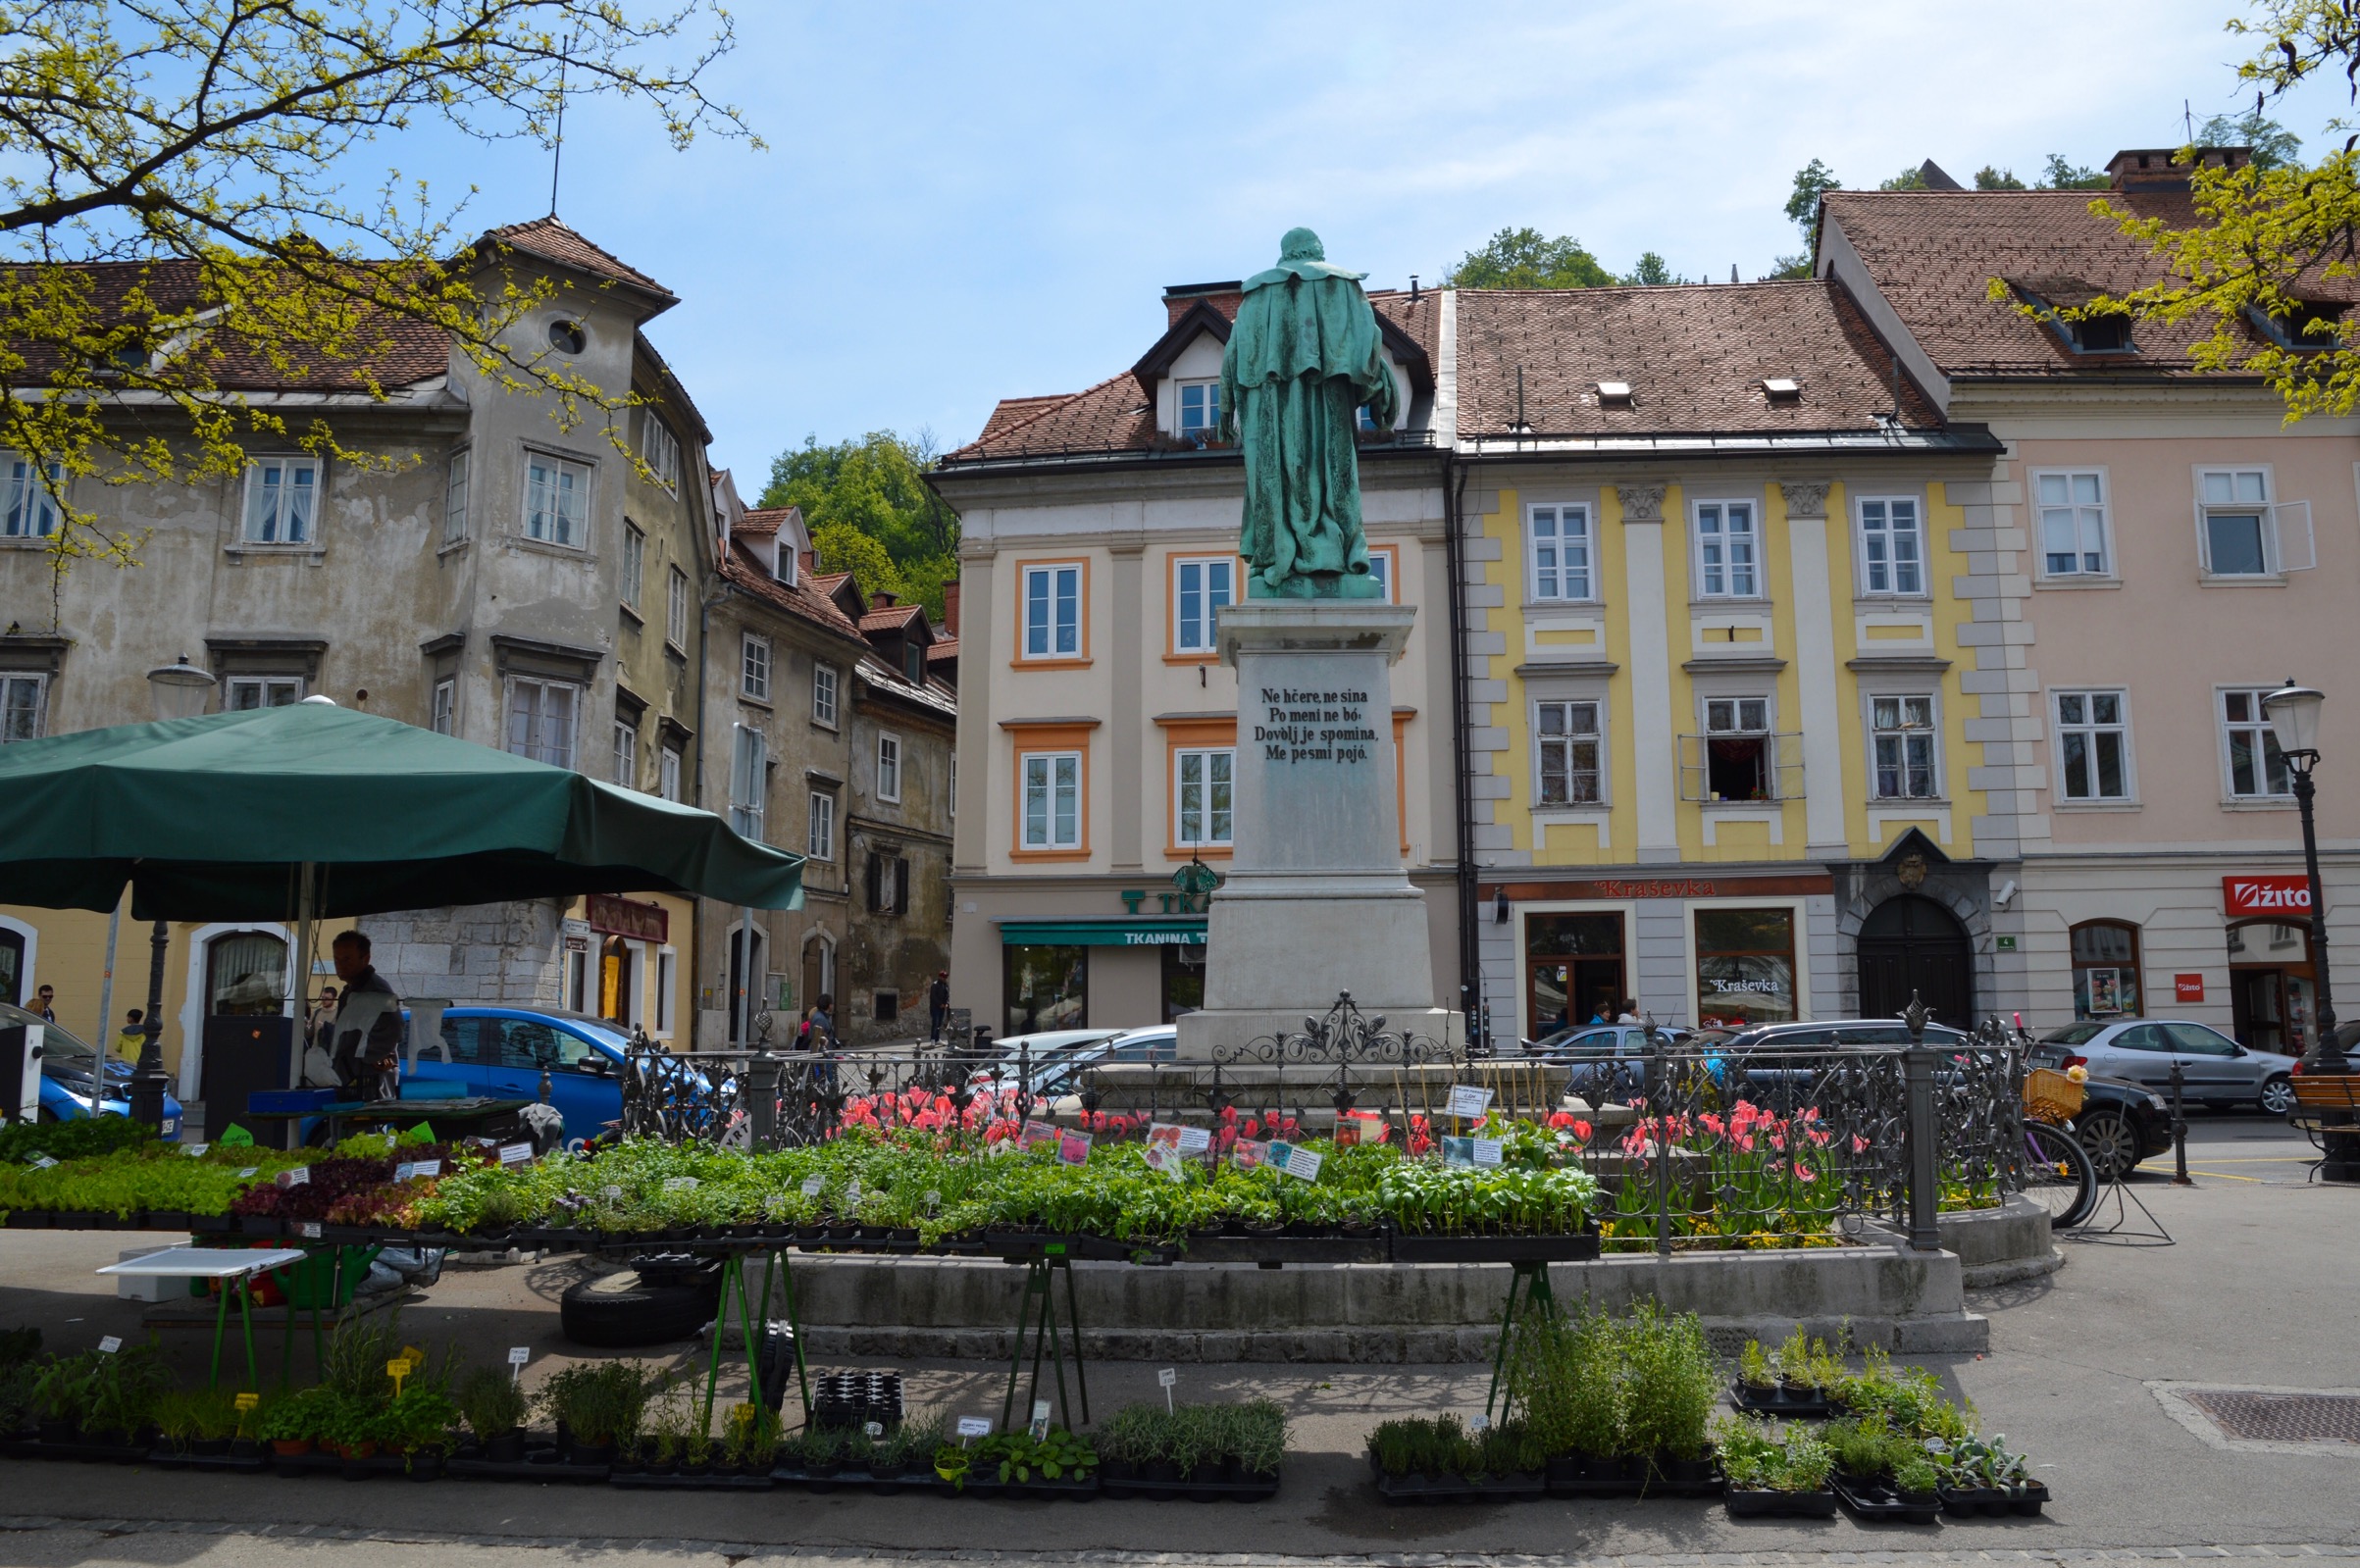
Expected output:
(1038, 1134)
(1249, 1154)
(1073, 1148)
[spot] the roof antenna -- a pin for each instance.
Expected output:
(2187, 117)
(1413, 288)
(558, 142)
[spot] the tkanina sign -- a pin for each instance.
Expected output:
(2267, 895)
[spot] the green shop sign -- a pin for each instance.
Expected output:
(1181, 933)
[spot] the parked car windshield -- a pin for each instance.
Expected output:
(60, 1048)
(2072, 1035)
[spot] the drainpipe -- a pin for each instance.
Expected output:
(1454, 495)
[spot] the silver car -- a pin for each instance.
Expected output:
(2215, 1070)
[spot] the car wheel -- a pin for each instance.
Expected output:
(2112, 1142)
(619, 1311)
(2278, 1096)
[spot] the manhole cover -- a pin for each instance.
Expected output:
(2266, 1419)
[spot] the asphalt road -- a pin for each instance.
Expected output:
(2255, 1289)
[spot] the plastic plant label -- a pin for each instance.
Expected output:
(248, 1173)
(1167, 1158)
(518, 1354)
(933, 1199)
(110, 1344)
(852, 1193)
(42, 1162)
(1456, 1151)
(246, 1402)
(1038, 1134)
(1296, 1161)
(1248, 1153)
(309, 1229)
(874, 1429)
(812, 1185)
(1039, 1430)
(515, 1153)
(1478, 1422)
(300, 1176)
(1073, 1148)
(1168, 1377)
(613, 1195)
(680, 1183)
(397, 1369)
(1469, 1099)
(1487, 1151)
(971, 1427)
(195, 1151)
(1195, 1139)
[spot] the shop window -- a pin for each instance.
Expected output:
(1046, 987)
(2106, 970)
(1745, 967)
(2271, 980)
(1574, 969)
(1183, 978)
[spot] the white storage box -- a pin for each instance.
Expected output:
(147, 1287)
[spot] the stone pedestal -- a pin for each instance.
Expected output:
(1316, 901)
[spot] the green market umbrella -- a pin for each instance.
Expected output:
(217, 817)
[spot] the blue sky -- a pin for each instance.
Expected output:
(965, 202)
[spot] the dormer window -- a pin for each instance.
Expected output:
(2310, 325)
(2101, 334)
(1200, 407)
(2107, 333)
(783, 561)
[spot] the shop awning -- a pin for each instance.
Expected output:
(1122, 930)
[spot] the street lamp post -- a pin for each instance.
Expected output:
(2293, 713)
(180, 692)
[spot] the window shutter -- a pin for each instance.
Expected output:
(875, 876)
(2297, 548)
(901, 886)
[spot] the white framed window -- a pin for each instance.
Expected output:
(1726, 566)
(31, 506)
(454, 499)
(667, 978)
(627, 755)
(667, 772)
(1052, 799)
(1901, 733)
(2240, 532)
(444, 712)
(823, 694)
(749, 781)
(1738, 756)
(541, 720)
(820, 843)
(1052, 611)
(2253, 768)
(632, 581)
(1559, 539)
(1199, 407)
(556, 500)
(675, 609)
(659, 449)
(281, 501)
(754, 668)
(2073, 524)
(1381, 560)
(24, 706)
(1204, 811)
(1893, 545)
(889, 767)
(243, 693)
(1201, 588)
(1570, 755)
(2094, 745)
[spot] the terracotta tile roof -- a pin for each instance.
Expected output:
(1014, 410)
(765, 520)
(890, 617)
(804, 597)
(944, 649)
(1934, 253)
(883, 677)
(1695, 357)
(550, 239)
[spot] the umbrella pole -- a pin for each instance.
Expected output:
(148, 1083)
(306, 913)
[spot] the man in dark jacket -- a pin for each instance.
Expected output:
(367, 1027)
(938, 1004)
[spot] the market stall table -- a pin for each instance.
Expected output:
(226, 1266)
(452, 1118)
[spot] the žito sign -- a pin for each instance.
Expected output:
(2267, 895)
(2187, 987)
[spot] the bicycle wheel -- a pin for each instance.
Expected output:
(2059, 1175)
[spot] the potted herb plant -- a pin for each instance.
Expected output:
(492, 1404)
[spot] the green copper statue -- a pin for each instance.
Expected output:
(1303, 356)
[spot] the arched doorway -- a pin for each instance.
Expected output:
(12, 968)
(748, 948)
(819, 971)
(245, 973)
(1911, 944)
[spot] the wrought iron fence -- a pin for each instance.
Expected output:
(1693, 1145)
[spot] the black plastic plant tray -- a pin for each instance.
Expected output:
(1811, 1407)
(1211, 1248)
(1245, 1490)
(1494, 1248)
(921, 1479)
(1878, 1502)
(535, 1465)
(1967, 1502)
(311, 1462)
(1037, 1489)
(676, 1482)
(1779, 1505)
(249, 1463)
(105, 1453)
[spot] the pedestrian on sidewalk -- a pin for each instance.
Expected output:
(367, 1025)
(132, 1038)
(45, 1004)
(938, 1004)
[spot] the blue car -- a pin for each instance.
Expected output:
(76, 1081)
(500, 1054)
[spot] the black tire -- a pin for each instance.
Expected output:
(620, 1311)
(2278, 1095)
(2061, 1177)
(2110, 1141)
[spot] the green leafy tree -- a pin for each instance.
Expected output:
(1811, 181)
(1652, 269)
(2266, 237)
(1525, 258)
(1990, 179)
(2062, 175)
(871, 512)
(1910, 179)
(210, 145)
(2274, 145)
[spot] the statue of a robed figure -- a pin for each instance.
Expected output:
(1304, 357)
(1316, 901)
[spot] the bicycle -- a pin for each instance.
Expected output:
(2059, 1174)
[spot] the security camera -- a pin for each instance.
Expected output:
(2007, 892)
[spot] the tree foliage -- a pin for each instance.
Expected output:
(871, 512)
(1525, 258)
(1650, 270)
(2060, 175)
(2270, 242)
(206, 148)
(1988, 177)
(1811, 181)
(1910, 178)
(2274, 145)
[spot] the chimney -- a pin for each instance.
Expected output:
(950, 608)
(2150, 169)
(810, 562)
(881, 600)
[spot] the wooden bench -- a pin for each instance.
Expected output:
(2328, 1106)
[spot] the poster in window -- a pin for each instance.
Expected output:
(2105, 990)
(1745, 966)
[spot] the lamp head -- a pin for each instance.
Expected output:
(179, 690)
(2294, 714)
